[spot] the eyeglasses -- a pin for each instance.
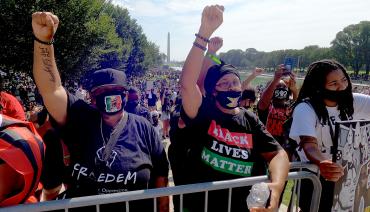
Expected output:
(229, 84)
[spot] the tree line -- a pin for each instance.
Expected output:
(92, 34)
(351, 47)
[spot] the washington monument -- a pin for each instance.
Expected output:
(168, 49)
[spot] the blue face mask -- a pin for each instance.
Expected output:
(110, 102)
(228, 99)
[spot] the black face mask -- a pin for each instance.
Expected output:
(281, 94)
(334, 95)
(132, 104)
(228, 99)
(110, 102)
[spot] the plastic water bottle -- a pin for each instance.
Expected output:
(258, 196)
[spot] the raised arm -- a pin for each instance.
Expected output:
(212, 18)
(214, 45)
(292, 85)
(45, 72)
(267, 94)
(256, 72)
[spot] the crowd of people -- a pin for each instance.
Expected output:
(106, 138)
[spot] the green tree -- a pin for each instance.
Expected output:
(92, 34)
(16, 35)
(351, 46)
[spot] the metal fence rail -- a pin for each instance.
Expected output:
(98, 200)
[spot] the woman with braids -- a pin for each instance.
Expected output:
(325, 97)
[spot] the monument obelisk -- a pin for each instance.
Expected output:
(168, 49)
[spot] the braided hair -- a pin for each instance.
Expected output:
(314, 85)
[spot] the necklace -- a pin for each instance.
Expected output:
(101, 132)
(112, 131)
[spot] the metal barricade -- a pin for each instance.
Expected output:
(126, 197)
(294, 202)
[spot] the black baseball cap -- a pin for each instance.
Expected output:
(108, 77)
(249, 94)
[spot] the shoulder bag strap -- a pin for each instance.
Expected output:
(114, 136)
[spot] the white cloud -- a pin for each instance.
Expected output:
(156, 8)
(262, 24)
(282, 24)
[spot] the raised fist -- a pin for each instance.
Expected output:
(258, 71)
(215, 44)
(44, 25)
(212, 18)
(279, 72)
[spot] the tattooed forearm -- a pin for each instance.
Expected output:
(47, 63)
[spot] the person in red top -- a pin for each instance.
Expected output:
(21, 155)
(10, 106)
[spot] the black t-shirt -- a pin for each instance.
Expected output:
(135, 161)
(227, 147)
(54, 169)
(179, 149)
(152, 101)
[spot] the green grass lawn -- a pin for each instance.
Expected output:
(288, 192)
(264, 79)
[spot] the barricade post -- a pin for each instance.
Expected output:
(98, 200)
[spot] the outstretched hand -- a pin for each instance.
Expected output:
(215, 44)
(44, 25)
(212, 18)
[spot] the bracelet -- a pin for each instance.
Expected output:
(214, 58)
(199, 46)
(44, 42)
(202, 38)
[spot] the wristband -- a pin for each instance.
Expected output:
(44, 42)
(214, 58)
(202, 38)
(199, 46)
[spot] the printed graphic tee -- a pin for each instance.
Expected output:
(134, 162)
(227, 147)
(305, 122)
(274, 119)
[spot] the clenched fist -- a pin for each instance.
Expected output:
(215, 44)
(44, 25)
(212, 18)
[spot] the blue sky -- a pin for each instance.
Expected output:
(266, 25)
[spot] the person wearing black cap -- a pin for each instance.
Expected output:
(274, 106)
(133, 104)
(111, 150)
(230, 141)
(248, 99)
